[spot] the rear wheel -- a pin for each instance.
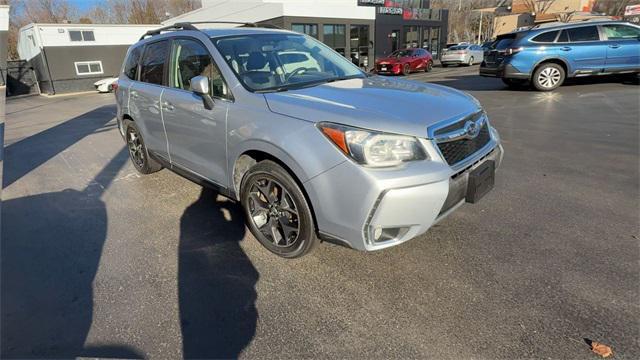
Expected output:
(277, 211)
(406, 70)
(548, 77)
(138, 152)
(444, 65)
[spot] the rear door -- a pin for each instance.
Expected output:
(144, 98)
(196, 135)
(623, 47)
(583, 48)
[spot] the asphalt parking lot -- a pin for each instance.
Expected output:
(98, 261)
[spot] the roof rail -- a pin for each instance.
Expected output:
(189, 26)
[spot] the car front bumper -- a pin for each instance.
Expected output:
(371, 209)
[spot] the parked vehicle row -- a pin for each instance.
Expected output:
(546, 56)
(313, 147)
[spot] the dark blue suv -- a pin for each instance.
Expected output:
(547, 55)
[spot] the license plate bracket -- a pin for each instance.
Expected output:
(481, 181)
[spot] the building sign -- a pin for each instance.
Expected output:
(421, 14)
(390, 11)
(371, 2)
(632, 10)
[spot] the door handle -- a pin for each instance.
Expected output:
(614, 46)
(168, 106)
(134, 94)
(565, 48)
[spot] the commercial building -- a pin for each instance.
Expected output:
(358, 29)
(71, 57)
(4, 34)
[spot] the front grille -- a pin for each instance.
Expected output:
(458, 150)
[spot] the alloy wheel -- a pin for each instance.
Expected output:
(135, 146)
(273, 212)
(549, 77)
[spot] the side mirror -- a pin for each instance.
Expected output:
(200, 86)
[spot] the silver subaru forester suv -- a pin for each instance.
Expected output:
(314, 148)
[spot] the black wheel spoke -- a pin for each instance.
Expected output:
(287, 229)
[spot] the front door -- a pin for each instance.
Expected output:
(196, 135)
(623, 47)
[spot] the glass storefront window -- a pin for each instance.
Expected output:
(309, 29)
(411, 37)
(359, 44)
(335, 36)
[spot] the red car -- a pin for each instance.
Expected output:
(404, 62)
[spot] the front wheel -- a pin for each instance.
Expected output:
(406, 70)
(277, 211)
(471, 59)
(548, 77)
(429, 66)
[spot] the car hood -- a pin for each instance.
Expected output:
(376, 103)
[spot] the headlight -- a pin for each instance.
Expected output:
(373, 148)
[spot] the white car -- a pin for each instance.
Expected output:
(462, 55)
(105, 85)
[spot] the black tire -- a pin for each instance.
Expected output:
(429, 66)
(444, 65)
(514, 83)
(138, 152)
(406, 70)
(276, 210)
(548, 77)
(470, 63)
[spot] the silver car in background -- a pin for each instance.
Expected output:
(464, 54)
(311, 146)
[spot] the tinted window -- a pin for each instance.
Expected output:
(504, 41)
(152, 65)
(75, 35)
(564, 37)
(131, 66)
(619, 32)
(584, 33)
(463, 47)
(309, 29)
(88, 36)
(190, 59)
(547, 37)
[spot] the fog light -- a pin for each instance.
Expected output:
(377, 232)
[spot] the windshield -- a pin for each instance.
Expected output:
(278, 62)
(401, 53)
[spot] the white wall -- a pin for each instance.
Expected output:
(58, 35)
(4, 17)
(259, 10)
(28, 44)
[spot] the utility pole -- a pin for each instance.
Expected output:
(480, 29)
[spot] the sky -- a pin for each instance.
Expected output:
(84, 4)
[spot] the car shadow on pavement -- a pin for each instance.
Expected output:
(216, 280)
(51, 249)
(27, 154)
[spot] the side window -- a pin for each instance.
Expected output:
(583, 33)
(152, 64)
(564, 37)
(621, 32)
(190, 59)
(547, 37)
(131, 66)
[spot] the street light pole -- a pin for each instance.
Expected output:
(480, 29)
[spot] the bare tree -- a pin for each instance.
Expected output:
(539, 6)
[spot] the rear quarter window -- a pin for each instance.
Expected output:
(131, 66)
(547, 37)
